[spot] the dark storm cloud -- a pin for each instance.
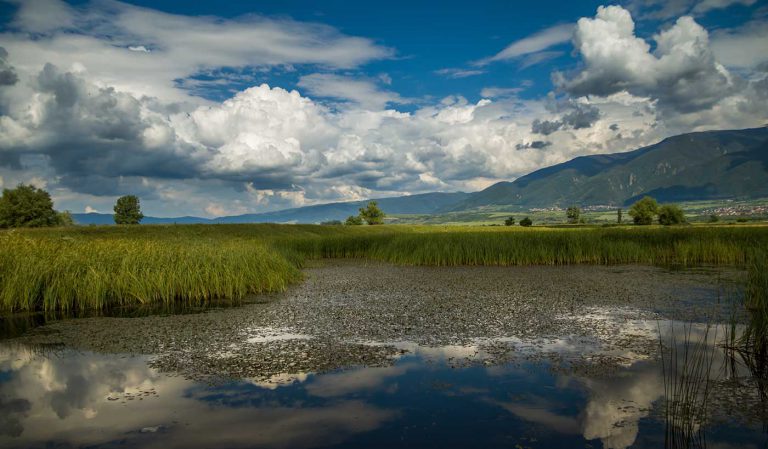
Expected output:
(545, 127)
(536, 145)
(97, 136)
(575, 116)
(8, 75)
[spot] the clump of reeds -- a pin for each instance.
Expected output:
(755, 337)
(686, 369)
(75, 273)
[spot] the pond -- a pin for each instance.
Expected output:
(371, 355)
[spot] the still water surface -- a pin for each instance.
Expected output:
(569, 391)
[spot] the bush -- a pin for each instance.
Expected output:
(26, 206)
(509, 221)
(372, 214)
(526, 222)
(353, 220)
(670, 214)
(64, 218)
(128, 210)
(573, 213)
(643, 211)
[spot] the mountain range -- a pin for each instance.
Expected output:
(707, 165)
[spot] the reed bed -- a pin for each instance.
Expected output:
(74, 273)
(85, 268)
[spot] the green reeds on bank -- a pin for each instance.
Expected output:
(755, 337)
(75, 273)
(84, 268)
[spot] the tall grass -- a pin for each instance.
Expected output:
(686, 369)
(755, 338)
(75, 273)
(98, 267)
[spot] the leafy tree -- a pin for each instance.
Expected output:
(713, 218)
(128, 210)
(643, 211)
(372, 214)
(618, 215)
(671, 214)
(526, 222)
(26, 206)
(353, 220)
(572, 213)
(509, 221)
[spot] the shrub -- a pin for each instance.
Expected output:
(573, 213)
(353, 220)
(510, 221)
(526, 222)
(643, 211)
(670, 214)
(64, 218)
(372, 214)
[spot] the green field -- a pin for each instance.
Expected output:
(85, 268)
(727, 211)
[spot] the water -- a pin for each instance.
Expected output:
(391, 357)
(427, 397)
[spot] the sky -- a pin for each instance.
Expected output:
(226, 108)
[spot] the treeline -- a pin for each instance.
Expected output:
(27, 206)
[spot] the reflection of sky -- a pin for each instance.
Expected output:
(81, 399)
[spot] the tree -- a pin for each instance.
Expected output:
(572, 213)
(509, 221)
(128, 210)
(353, 220)
(618, 215)
(372, 214)
(26, 206)
(526, 222)
(671, 214)
(643, 211)
(714, 218)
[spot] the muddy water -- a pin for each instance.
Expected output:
(365, 354)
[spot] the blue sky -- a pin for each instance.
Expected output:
(216, 108)
(426, 39)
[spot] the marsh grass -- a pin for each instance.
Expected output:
(686, 367)
(755, 338)
(750, 347)
(98, 267)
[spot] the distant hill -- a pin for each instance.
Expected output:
(426, 203)
(695, 166)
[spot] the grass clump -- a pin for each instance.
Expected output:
(75, 273)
